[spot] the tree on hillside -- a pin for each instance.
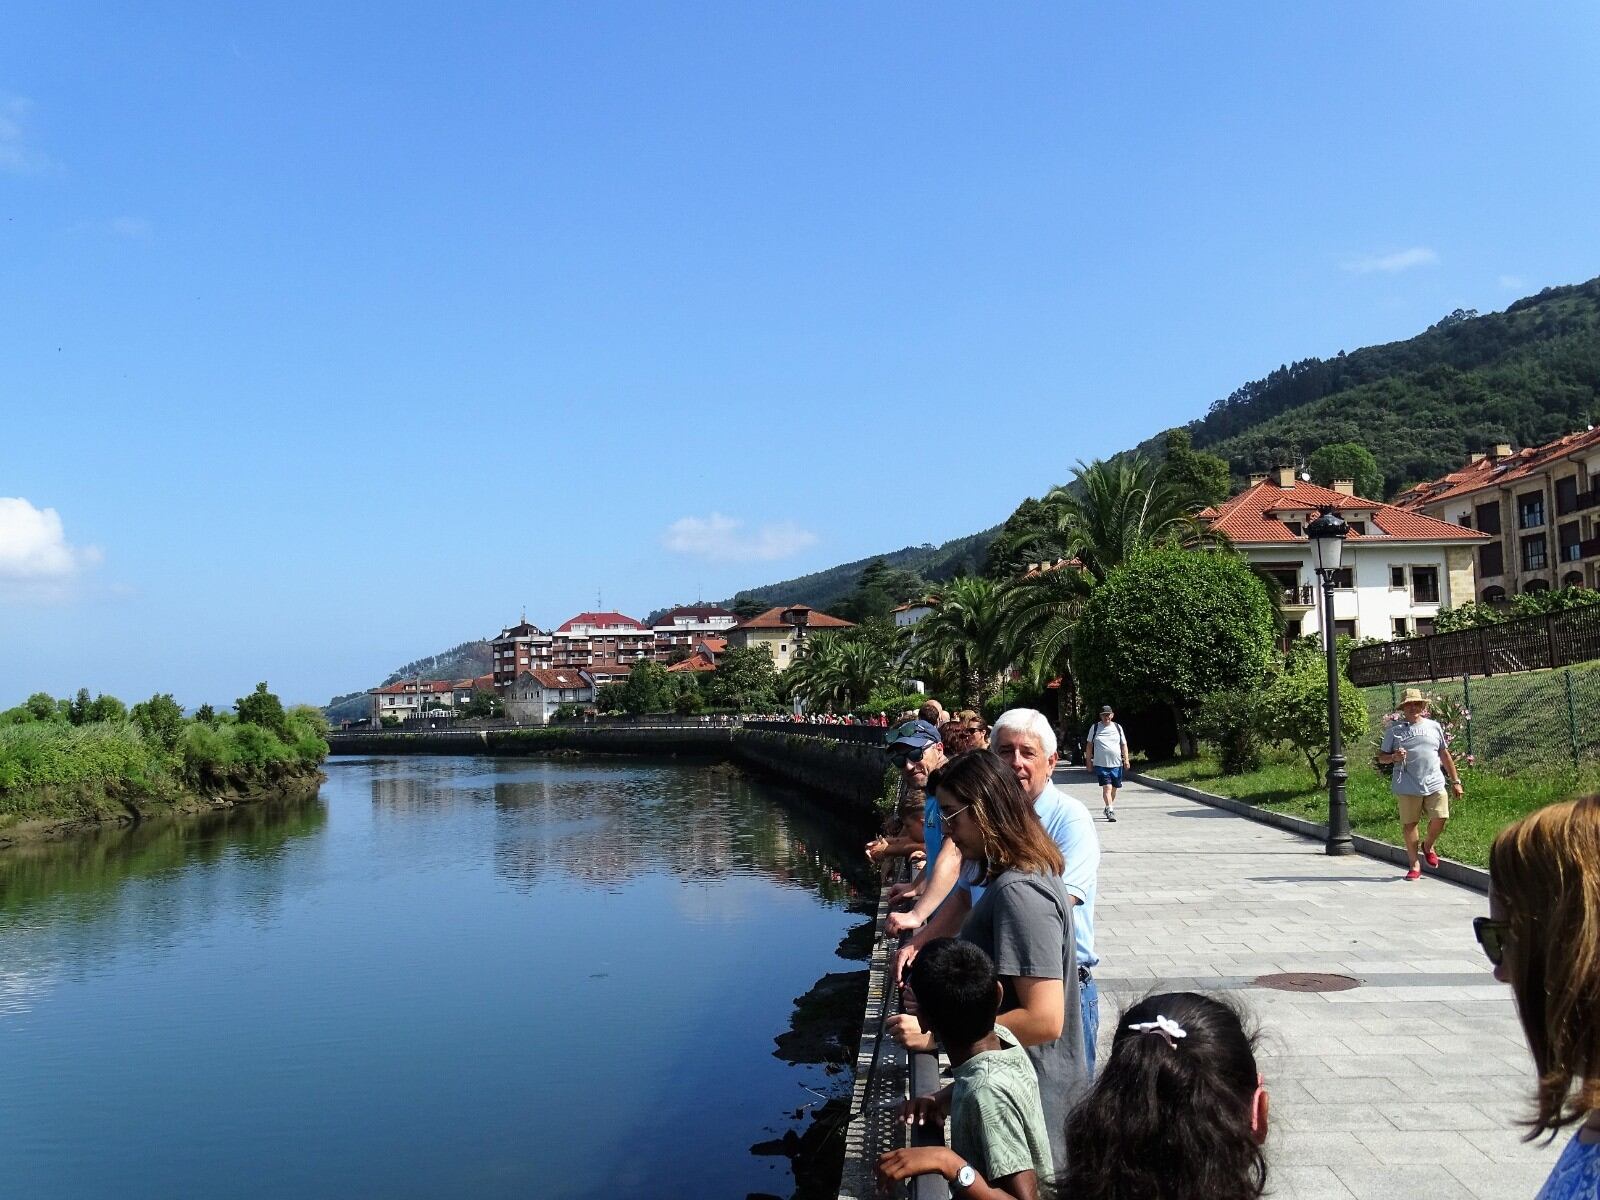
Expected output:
(879, 588)
(1031, 534)
(745, 680)
(1201, 479)
(1115, 509)
(745, 607)
(1170, 626)
(1347, 460)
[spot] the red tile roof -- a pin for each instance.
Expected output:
(714, 644)
(695, 662)
(557, 678)
(773, 619)
(1248, 517)
(1487, 472)
(606, 619)
(1036, 569)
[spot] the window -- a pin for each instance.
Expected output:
(1344, 629)
(1296, 528)
(1358, 527)
(1492, 559)
(1424, 626)
(1424, 585)
(1494, 595)
(1401, 628)
(1570, 542)
(1345, 578)
(1533, 557)
(1536, 585)
(1572, 579)
(1566, 495)
(1397, 578)
(1530, 510)
(1488, 517)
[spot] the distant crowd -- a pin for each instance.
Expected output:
(997, 967)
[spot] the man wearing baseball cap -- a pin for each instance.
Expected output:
(1422, 764)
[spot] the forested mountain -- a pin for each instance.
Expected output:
(1421, 406)
(466, 661)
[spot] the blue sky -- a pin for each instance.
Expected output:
(335, 335)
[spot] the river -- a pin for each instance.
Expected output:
(441, 977)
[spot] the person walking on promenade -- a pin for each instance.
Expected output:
(1107, 754)
(1417, 747)
(1024, 922)
(1542, 936)
(1179, 1113)
(999, 1146)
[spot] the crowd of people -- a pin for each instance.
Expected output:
(997, 963)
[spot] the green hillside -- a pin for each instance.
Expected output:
(466, 661)
(820, 589)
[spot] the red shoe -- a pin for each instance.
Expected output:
(1430, 856)
(1414, 873)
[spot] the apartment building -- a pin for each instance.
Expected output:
(518, 648)
(1538, 509)
(605, 644)
(683, 628)
(1399, 566)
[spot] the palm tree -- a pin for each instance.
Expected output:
(839, 672)
(1038, 613)
(963, 633)
(1112, 510)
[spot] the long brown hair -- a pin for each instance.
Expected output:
(1545, 871)
(1013, 838)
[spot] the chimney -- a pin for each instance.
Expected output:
(1502, 450)
(1345, 487)
(1257, 477)
(1285, 477)
(1477, 456)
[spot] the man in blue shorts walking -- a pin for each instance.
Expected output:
(1107, 756)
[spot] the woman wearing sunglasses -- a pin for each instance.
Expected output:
(1022, 921)
(1543, 937)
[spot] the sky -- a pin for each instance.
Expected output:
(334, 335)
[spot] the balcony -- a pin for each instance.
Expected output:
(1589, 548)
(1300, 596)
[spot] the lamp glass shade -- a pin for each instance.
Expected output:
(1327, 534)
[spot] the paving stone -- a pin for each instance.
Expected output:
(1305, 1183)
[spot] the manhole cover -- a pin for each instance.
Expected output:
(1306, 981)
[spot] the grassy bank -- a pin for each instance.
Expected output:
(1285, 784)
(54, 771)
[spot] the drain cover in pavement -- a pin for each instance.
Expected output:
(1306, 981)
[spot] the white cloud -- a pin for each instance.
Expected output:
(36, 560)
(136, 228)
(1390, 264)
(1513, 283)
(717, 538)
(17, 157)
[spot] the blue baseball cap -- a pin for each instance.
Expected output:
(916, 734)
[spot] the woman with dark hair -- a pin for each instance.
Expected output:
(1179, 1112)
(1543, 937)
(1023, 921)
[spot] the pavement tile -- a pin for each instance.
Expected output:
(1303, 1183)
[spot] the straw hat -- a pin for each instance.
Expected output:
(1413, 696)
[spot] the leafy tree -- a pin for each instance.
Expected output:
(1234, 720)
(160, 718)
(745, 607)
(1347, 460)
(482, 704)
(106, 708)
(1170, 627)
(649, 688)
(745, 680)
(567, 711)
(1475, 614)
(43, 706)
(1113, 510)
(78, 707)
(688, 700)
(261, 707)
(206, 715)
(1295, 710)
(1031, 534)
(1201, 479)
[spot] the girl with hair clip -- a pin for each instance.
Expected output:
(1022, 920)
(1542, 935)
(1179, 1112)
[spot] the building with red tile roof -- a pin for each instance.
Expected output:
(684, 626)
(1539, 508)
(776, 630)
(536, 695)
(1399, 567)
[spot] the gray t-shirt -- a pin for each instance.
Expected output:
(1024, 923)
(996, 1122)
(1420, 774)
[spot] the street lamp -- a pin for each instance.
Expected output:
(1327, 534)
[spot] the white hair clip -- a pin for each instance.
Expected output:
(1165, 1026)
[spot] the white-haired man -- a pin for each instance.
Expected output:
(1025, 742)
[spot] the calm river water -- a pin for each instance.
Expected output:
(444, 977)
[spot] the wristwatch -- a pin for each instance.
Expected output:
(966, 1177)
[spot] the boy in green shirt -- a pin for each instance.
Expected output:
(999, 1147)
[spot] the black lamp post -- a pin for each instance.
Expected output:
(1327, 534)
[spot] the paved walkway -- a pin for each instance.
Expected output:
(1407, 1086)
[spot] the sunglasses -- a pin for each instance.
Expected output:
(901, 755)
(1492, 936)
(945, 818)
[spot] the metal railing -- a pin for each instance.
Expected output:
(1302, 595)
(1523, 644)
(862, 734)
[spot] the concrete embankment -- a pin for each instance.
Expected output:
(65, 812)
(853, 772)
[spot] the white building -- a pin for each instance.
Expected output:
(1399, 568)
(685, 627)
(535, 696)
(911, 612)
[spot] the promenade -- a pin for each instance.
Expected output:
(1405, 1086)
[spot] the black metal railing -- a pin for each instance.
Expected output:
(865, 734)
(1524, 644)
(1302, 595)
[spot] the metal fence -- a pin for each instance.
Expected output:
(1555, 639)
(1527, 721)
(868, 734)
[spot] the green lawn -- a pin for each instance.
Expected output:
(1491, 802)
